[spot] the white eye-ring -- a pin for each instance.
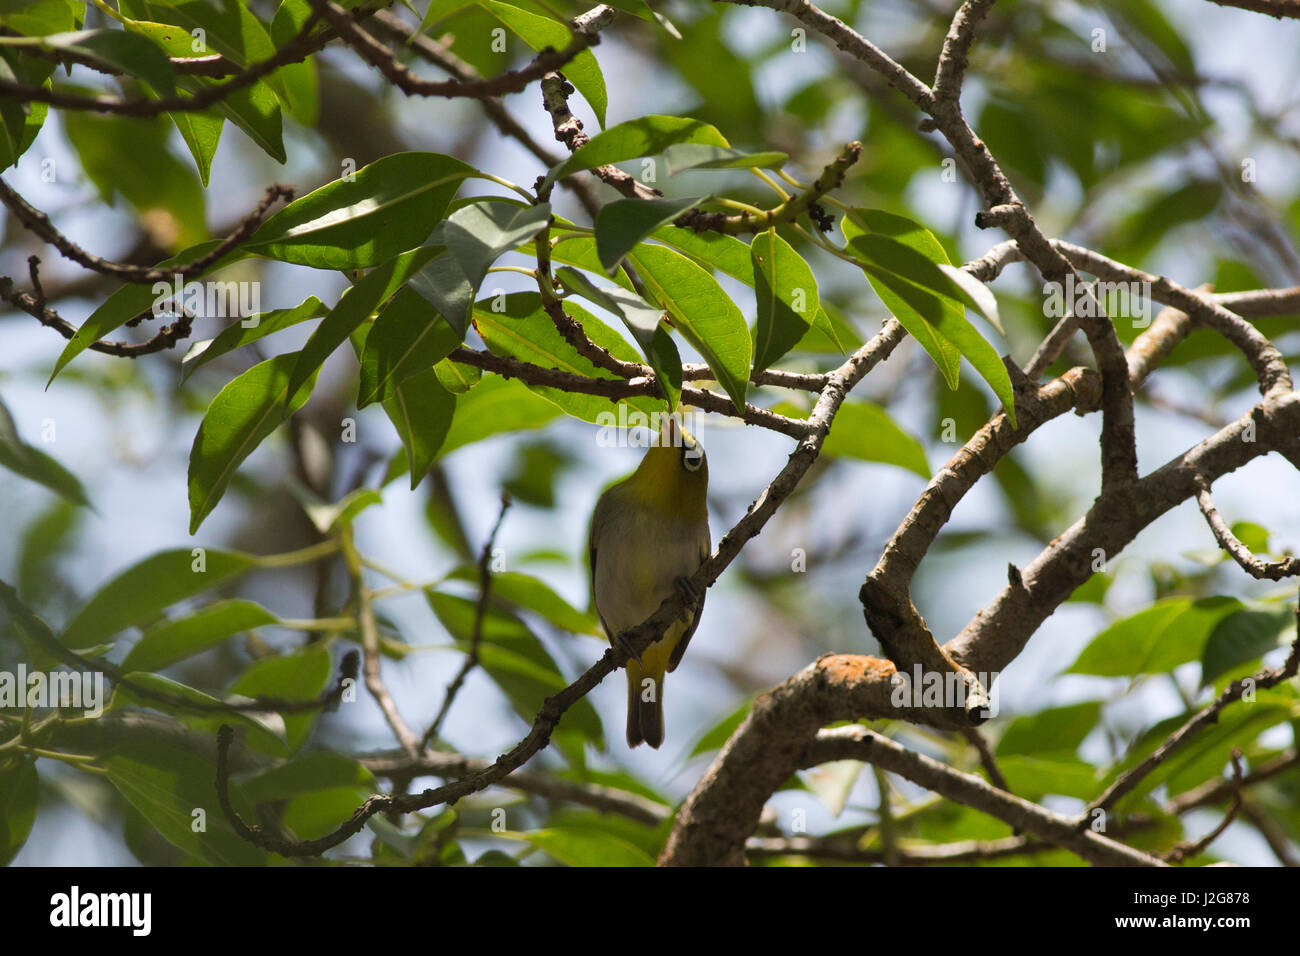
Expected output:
(692, 458)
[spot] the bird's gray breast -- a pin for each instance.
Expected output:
(639, 553)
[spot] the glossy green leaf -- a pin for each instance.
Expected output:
(701, 311)
(139, 593)
(580, 847)
(119, 50)
(684, 156)
(197, 709)
(1053, 729)
(1155, 640)
(913, 287)
(318, 770)
(353, 308)
(621, 224)
(475, 236)
(540, 32)
(645, 136)
(495, 406)
(170, 641)
(421, 410)
(1245, 635)
(387, 207)
(408, 337)
(242, 415)
(457, 377)
(300, 676)
(643, 320)
(167, 784)
(249, 330)
(515, 660)
(786, 293)
(532, 594)
(20, 792)
(521, 329)
(865, 431)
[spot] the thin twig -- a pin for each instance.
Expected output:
(476, 636)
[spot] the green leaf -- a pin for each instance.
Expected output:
(701, 311)
(621, 224)
(352, 309)
(646, 136)
(422, 412)
(515, 660)
(130, 53)
(254, 109)
(20, 792)
(133, 161)
(1155, 640)
(170, 786)
(300, 676)
(521, 329)
(143, 590)
(725, 253)
(913, 287)
(494, 406)
(408, 336)
(167, 642)
(786, 292)
(299, 89)
(318, 770)
(1243, 636)
(686, 156)
(540, 32)
(202, 134)
(249, 330)
(532, 594)
(961, 286)
(20, 122)
(34, 465)
(721, 732)
(475, 235)
(197, 709)
(1032, 776)
(1053, 729)
(643, 321)
(326, 516)
(387, 207)
(457, 377)
(242, 415)
(581, 847)
(865, 431)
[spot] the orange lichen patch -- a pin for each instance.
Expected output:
(853, 668)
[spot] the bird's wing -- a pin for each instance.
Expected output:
(673, 659)
(597, 519)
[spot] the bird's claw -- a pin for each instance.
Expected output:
(627, 647)
(689, 593)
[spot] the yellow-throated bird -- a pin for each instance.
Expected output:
(649, 533)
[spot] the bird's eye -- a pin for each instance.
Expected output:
(692, 458)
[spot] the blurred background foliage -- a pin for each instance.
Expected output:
(1132, 141)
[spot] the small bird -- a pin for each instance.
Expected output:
(649, 533)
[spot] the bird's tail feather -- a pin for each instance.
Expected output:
(645, 707)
